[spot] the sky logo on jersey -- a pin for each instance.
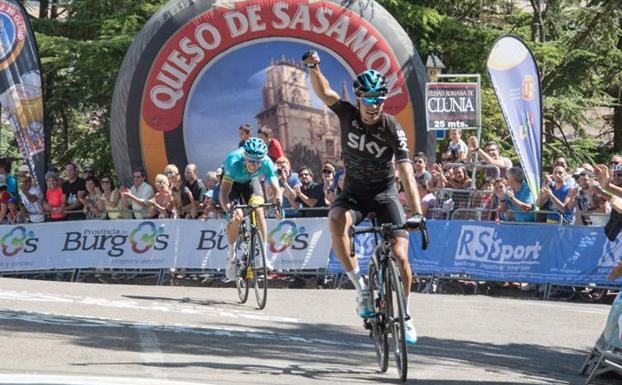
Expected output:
(18, 239)
(287, 234)
(144, 237)
(363, 143)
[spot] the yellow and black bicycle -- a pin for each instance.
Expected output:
(252, 265)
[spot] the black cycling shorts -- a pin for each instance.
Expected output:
(242, 192)
(385, 204)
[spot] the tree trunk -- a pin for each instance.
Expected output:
(617, 125)
(43, 9)
(617, 110)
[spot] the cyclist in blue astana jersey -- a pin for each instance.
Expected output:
(241, 182)
(373, 145)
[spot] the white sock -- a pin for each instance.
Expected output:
(357, 279)
(231, 251)
(408, 305)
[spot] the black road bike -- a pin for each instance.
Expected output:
(252, 269)
(387, 293)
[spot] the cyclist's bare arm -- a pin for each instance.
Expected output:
(225, 189)
(320, 84)
(277, 193)
(407, 176)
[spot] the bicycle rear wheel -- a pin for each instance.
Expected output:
(260, 269)
(395, 312)
(378, 334)
(241, 256)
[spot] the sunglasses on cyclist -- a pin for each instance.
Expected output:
(371, 100)
(253, 161)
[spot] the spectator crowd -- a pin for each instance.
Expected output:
(470, 178)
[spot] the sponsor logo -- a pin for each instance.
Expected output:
(18, 239)
(528, 88)
(363, 143)
(146, 236)
(220, 28)
(483, 244)
(288, 235)
(12, 33)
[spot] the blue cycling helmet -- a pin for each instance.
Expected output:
(255, 149)
(372, 82)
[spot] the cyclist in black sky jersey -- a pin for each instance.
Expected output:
(372, 144)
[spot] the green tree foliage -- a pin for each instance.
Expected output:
(578, 46)
(82, 44)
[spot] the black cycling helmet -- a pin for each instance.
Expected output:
(372, 82)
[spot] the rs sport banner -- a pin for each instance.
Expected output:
(199, 69)
(516, 80)
(20, 85)
(565, 255)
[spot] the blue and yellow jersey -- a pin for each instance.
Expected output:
(235, 170)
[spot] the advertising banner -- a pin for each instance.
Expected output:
(452, 105)
(516, 80)
(566, 255)
(200, 69)
(153, 244)
(20, 85)
(292, 244)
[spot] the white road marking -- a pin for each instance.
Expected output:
(215, 331)
(41, 379)
(166, 307)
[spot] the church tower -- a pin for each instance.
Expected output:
(288, 110)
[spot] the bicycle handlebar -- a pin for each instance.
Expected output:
(254, 207)
(388, 228)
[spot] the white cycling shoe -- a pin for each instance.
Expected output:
(411, 332)
(364, 306)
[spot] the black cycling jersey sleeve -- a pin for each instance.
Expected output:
(401, 142)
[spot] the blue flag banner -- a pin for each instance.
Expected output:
(564, 255)
(516, 80)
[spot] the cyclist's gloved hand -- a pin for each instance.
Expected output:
(278, 209)
(311, 59)
(416, 221)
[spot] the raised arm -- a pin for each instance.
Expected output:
(320, 84)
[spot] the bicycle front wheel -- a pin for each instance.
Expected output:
(378, 331)
(242, 259)
(395, 313)
(259, 276)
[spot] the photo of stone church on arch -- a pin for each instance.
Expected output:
(309, 135)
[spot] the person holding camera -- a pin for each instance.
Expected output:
(373, 144)
(590, 199)
(290, 183)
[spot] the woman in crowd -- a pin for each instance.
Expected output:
(110, 200)
(16, 213)
(55, 199)
(90, 199)
(460, 180)
(175, 184)
(163, 200)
